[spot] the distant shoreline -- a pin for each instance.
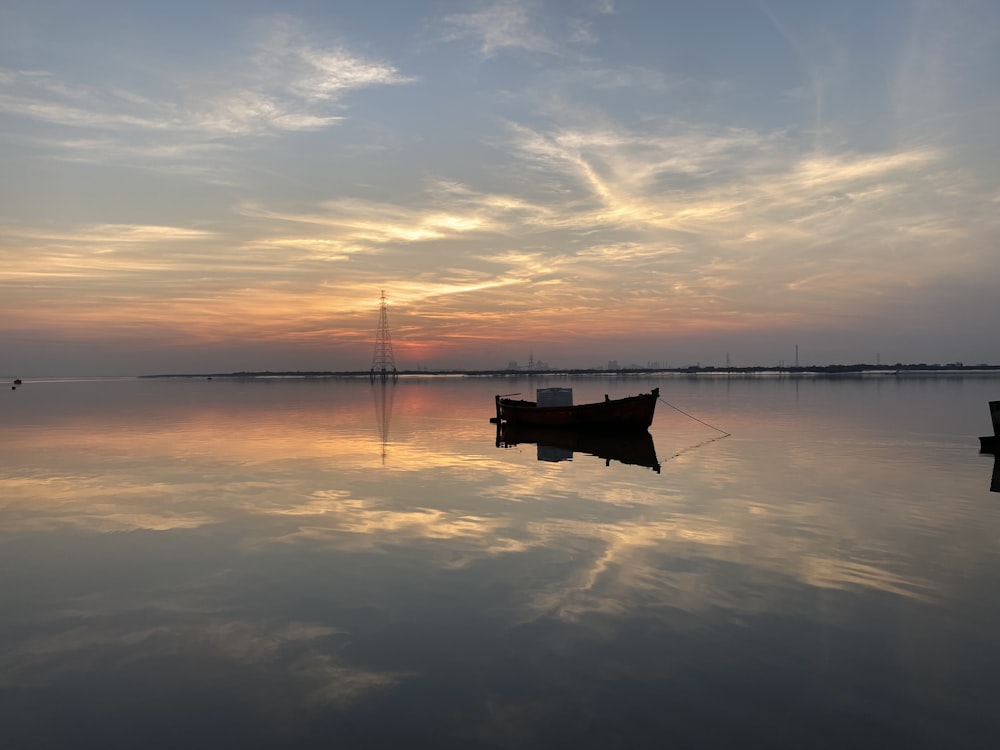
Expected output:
(838, 370)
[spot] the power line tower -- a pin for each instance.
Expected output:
(383, 362)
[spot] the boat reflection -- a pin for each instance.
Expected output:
(558, 444)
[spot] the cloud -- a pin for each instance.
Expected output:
(498, 26)
(290, 85)
(615, 191)
(446, 210)
(945, 68)
(40, 95)
(522, 25)
(289, 61)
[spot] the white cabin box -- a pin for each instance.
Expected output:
(554, 396)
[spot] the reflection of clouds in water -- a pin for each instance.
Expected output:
(100, 504)
(306, 654)
(622, 530)
(281, 477)
(619, 546)
(355, 524)
(834, 573)
(704, 516)
(632, 567)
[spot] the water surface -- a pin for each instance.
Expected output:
(327, 563)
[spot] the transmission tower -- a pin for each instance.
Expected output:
(383, 363)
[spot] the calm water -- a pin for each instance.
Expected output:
(317, 564)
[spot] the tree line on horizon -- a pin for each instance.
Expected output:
(691, 369)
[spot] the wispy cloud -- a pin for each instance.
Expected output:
(497, 26)
(291, 84)
(290, 62)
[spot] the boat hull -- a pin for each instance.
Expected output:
(631, 413)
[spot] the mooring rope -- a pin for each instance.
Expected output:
(698, 445)
(690, 448)
(691, 416)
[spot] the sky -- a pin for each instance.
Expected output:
(221, 186)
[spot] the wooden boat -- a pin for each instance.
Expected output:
(629, 413)
(633, 447)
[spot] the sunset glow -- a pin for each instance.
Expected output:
(222, 187)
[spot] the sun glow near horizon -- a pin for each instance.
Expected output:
(615, 202)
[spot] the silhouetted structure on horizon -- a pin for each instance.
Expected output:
(383, 361)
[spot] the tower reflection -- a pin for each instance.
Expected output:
(382, 394)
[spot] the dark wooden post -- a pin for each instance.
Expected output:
(990, 443)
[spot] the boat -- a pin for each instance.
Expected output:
(554, 408)
(634, 447)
